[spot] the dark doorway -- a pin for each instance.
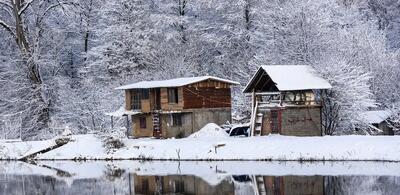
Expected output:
(276, 121)
(157, 99)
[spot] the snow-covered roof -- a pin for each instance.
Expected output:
(178, 82)
(122, 112)
(290, 78)
(375, 116)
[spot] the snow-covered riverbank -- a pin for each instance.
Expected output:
(273, 147)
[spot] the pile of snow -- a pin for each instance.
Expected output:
(210, 130)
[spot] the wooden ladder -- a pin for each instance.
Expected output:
(156, 124)
(259, 185)
(256, 121)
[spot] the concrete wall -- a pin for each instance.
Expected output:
(296, 121)
(173, 131)
(192, 121)
(294, 185)
(218, 116)
(302, 121)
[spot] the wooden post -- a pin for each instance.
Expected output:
(127, 124)
(112, 122)
(253, 99)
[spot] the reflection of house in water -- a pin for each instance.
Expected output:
(292, 184)
(268, 185)
(179, 184)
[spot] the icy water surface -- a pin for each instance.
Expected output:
(135, 177)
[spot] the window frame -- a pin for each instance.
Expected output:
(136, 100)
(143, 122)
(177, 120)
(173, 95)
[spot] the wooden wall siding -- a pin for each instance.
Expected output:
(127, 99)
(165, 105)
(145, 105)
(210, 83)
(206, 97)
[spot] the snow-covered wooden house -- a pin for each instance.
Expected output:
(377, 119)
(285, 100)
(177, 107)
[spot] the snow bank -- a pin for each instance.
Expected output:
(16, 150)
(273, 147)
(211, 130)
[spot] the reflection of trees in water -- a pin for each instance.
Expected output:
(362, 185)
(120, 182)
(35, 184)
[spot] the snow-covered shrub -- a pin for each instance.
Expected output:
(113, 140)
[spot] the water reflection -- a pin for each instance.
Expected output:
(133, 177)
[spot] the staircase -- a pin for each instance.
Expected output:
(156, 125)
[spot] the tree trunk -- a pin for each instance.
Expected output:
(32, 68)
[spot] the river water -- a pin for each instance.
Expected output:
(230, 177)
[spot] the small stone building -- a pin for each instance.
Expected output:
(377, 120)
(285, 100)
(177, 107)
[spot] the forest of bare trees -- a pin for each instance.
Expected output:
(61, 60)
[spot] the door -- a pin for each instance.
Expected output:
(276, 118)
(157, 99)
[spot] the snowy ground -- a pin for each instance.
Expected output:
(212, 143)
(19, 149)
(273, 147)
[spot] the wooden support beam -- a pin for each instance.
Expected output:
(263, 93)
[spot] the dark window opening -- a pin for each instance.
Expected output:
(173, 95)
(142, 121)
(137, 96)
(179, 186)
(177, 120)
(144, 94)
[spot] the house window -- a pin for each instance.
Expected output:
(177, 120)
(144, 94)
(142, 121)
(173, 95)
(136, 101)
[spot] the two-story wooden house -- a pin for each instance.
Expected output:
(285, 100)
(177, 107)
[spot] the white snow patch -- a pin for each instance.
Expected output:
(375, 116)
(178, 82)
(293, 77)
(273, 147)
